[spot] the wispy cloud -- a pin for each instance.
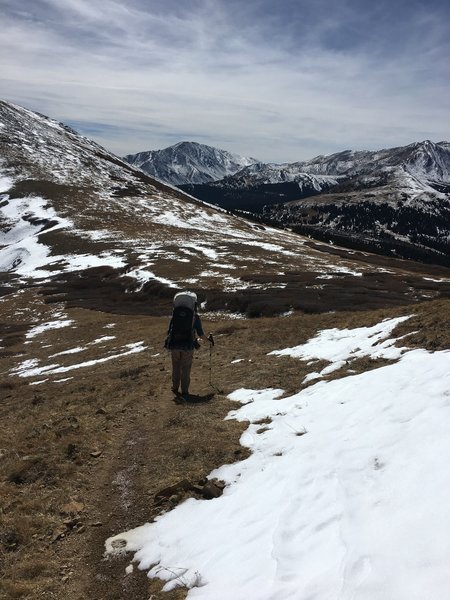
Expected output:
(279, 81)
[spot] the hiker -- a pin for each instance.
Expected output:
(185, 325)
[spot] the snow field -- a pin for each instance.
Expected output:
(343, 496)
(25, 253)
(21, 249)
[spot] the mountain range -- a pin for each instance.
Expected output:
(393, 200)
(397, 200)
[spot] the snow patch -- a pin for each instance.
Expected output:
(342, 345)
(38, 329)
(340, 498)
(22, 250)
(30, 368)
(6, 183)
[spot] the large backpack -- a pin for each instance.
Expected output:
(181, 333)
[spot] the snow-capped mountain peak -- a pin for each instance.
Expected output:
(429, 160)
(189, 162)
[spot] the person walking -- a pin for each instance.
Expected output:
(185, 328)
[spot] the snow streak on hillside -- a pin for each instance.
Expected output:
(342, 496)
(22, 252)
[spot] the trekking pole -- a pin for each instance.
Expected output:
(211, 344)
(210, 364)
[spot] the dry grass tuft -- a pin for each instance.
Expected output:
(132, 373)
(31, 471)
(262, 429)
(430, 326)
(265, 421)
(16, 589)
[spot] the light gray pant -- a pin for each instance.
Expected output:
(181, 369)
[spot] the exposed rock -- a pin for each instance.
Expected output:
(182, 486)
(212, 489)
(120, 543)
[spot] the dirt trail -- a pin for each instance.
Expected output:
(162, 443)
(126, 503)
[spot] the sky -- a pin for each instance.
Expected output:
(278, 81)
